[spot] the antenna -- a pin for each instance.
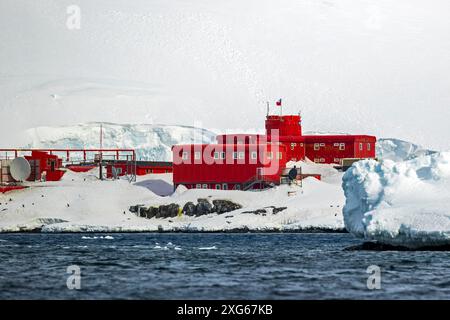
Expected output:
(100, 163)
(267, 102)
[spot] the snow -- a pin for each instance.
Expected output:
(151, 142)
(82, 203)
(403, 203)
(399, 150)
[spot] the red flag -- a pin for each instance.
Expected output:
(278, 103)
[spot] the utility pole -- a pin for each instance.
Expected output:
(267, 102)
(100, 163)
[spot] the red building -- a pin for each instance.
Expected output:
(44, 166)
(228, 166)
(193, 168)
(141, 168)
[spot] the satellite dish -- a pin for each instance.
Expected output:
(20, 169)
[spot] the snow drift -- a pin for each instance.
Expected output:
(404, 203)
(82, 203)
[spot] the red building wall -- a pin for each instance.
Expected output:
(197, 166)
(333, 148)
(142, 168)
(44, 162)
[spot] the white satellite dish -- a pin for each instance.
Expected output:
(20, 169)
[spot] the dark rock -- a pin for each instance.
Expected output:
(134, 209)
(189, 209)
(378, 246)
(168, 211)
(203, 207)
(276, 210)
(142, 212)
(152, 212)
(222, 206)
(257, 211)
(229, 217)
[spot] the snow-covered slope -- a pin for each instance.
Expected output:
(399, 150)
(151, 142)
(80, 202)
(400, 203)
(376, 67)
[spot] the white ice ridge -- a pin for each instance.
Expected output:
(400, 203)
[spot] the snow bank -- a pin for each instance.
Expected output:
(404, 203)
(81, 203)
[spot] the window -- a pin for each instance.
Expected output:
(293, 145)
(337, 160)
(235, 155)
(241, 155)
(368, 146)
(197, 155)
(218, 186)
(322, 145)
(237, 187)
(184, 156)
(254, 155)
(222, 155)
(279, 155)
(205, 186)
(225, 186)
(198, 186)
(269, 155)
(301, 144)
(167, 170)
(316, 146)
(216, 155)
(322, 160)
(342, 146)
(316, 160)
(336, 144)
(360, 146)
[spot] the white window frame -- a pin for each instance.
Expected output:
(368, 146)
(198, 186)
(270, 155)
(204, 186)
(237, 187)
(197, 155)
(341, 146)
(254, 155)
(241, 155)
(279, 155)
(184, 155)
(216, 155)
(224, 186)
(316, 146)
(222, 155)
(235, 155)
(361, 146)
(218, 186)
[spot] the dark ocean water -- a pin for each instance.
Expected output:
(213, 266)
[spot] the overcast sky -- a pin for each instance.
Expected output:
(375, 67)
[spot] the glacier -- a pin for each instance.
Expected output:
(405, 203)
(151, 141)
